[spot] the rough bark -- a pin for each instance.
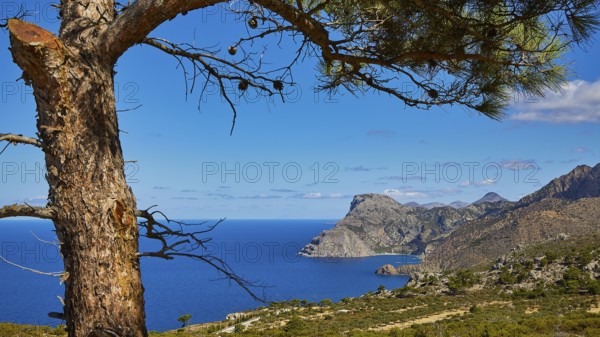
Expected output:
(94, 207)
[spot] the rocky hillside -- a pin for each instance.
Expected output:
(377, 224)
(568, 205)
(582, 182)
(565, 264)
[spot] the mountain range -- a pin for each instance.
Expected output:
(448, 237)
(489, 197)
(567, 206)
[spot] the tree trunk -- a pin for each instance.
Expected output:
(95, 219)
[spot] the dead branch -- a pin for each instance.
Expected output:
(54, 274)
(53, 243)
(177, 242)
(20, 139)
(130, 109)
(27, 210)
(21, 14)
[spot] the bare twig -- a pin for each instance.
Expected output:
(130, 109)
(4, 148)
(176, 242)
(53, 243)
(219, 71)
(54, 274)
(21, 14)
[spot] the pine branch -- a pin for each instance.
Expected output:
(494, 49)
(27, 210)
(140, 18)
(219, 71)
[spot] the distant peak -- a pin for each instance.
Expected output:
(433, 205)
(458, 204)
(490, 197)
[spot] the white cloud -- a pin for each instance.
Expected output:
(319, 195)
(485, 182)
(362, 168)
(578, 103)
(315, 195)
(404, 194)
(517, 164)
(37, 200)
(282, 190)
(231, 197)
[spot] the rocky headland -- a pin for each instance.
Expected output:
(448, 237)
(377, 224)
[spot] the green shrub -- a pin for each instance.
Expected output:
(294, 325)
(506, 277)
(594, 287)
(550, 256)
(184, 319)
(325, 302)
(461, 280)
(575, 281)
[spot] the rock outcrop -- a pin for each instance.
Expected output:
(387, 270)
(339, 242)
(564, 264)
(377, 224)
(405, 269)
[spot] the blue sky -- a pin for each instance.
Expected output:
(307, 157)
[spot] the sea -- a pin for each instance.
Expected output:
(264, 252)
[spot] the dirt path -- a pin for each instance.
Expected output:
(422, 320)
(409, 309)
(433, 317)
(245, 324)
